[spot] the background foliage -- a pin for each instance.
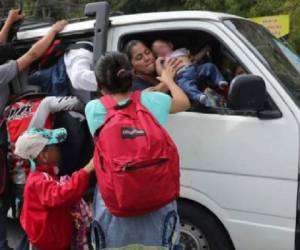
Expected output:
(48, 9)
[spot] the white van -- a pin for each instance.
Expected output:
(239, 167)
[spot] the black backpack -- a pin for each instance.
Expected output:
(7, 53)
(78, 148)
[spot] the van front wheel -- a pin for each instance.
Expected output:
(200, 230)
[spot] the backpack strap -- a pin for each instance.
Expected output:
(112, 105)
(108, 102)
(136, 96)
(137, 99)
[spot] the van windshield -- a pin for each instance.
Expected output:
(273, 52)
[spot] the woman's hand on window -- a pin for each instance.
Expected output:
(169, 72)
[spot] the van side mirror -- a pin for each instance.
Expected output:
(247, 92)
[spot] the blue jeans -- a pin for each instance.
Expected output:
(193, 78)
(53, 80)
(156, 230)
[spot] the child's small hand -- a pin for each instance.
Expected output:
(89, 168)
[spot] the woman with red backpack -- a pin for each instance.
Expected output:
(136, 161)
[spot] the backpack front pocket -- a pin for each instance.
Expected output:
(143, 186)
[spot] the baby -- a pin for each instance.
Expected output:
(192, 78)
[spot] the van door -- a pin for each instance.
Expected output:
(241, 168)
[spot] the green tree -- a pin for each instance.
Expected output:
(255, 8)
(136, 6)
(247, 8)
(292, 7)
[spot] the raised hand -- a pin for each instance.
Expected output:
(59, 26)
(14, 16)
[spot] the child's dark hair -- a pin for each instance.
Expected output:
(161, 39)
(113, 73)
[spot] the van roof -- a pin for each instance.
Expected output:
(167, 16)
(131, 19)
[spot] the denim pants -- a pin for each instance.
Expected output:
(193, 79)
(53, 80)
(158, 230)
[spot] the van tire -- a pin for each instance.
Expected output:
(200, 229)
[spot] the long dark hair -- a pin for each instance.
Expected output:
(130, 45)
(113, 73)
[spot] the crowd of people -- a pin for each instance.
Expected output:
(134, 156)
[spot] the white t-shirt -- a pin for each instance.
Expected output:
(79, 64)
(178, 53)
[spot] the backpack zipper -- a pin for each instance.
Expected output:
(127, 167)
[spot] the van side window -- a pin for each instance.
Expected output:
(205, 49)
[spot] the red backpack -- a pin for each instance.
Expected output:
(19, 117)
(136, 161)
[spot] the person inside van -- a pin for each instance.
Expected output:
(160, 227)
(144, 70)
(143, 63)
(72, 73)
(191, 77)
(9, 69)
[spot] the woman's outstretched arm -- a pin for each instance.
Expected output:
(180, 101)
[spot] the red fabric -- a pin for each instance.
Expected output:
(56, 50)
(136, 161)
(46, 214)
(19, 116)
